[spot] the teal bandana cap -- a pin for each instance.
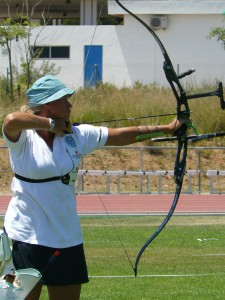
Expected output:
(45, 90)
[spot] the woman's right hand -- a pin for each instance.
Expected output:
(62, 127)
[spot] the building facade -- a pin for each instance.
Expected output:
(125, 54)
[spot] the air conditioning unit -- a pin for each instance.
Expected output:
(158, 22)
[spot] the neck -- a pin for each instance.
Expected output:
(47, 136)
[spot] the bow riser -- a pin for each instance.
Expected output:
(180, 161)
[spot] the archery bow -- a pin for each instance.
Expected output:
(183, 111)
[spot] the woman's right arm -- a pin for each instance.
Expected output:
(15, 122)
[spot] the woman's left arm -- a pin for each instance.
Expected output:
(127, 135)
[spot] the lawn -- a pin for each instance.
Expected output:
(186, 261)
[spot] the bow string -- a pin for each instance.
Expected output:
(183, 112)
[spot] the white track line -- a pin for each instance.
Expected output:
(124, 213)
(156, 275)
(213, 254)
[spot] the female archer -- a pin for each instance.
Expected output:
(45, 152)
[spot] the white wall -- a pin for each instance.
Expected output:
(131, 54)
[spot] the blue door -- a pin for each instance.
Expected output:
(92, 65)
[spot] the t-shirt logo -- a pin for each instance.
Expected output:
(70, 141)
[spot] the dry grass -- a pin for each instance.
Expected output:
(128, 159)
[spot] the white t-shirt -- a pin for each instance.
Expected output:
(45, 213)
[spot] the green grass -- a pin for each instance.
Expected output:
(175, 266)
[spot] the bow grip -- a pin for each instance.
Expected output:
(182, 131)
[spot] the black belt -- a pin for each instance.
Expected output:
(65, 179)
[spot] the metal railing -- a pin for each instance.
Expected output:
(201, 178)
(119, 174)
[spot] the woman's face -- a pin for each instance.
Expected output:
(60, 108)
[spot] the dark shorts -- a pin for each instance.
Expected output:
(69, 267)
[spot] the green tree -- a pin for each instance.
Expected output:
(11, 30)
(36, 72)
(219, 33)
(30, 56)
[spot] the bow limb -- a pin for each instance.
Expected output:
(160, 228)
(170, 73)
(179, 171)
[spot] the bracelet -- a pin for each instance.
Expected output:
(139, 130)
(51, 124)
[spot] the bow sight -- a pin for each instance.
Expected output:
(182, 98)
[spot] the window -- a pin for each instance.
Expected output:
(60, 52)
(51, 51)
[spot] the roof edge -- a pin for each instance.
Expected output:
(168, 7)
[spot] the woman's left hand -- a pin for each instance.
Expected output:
(176, 124)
